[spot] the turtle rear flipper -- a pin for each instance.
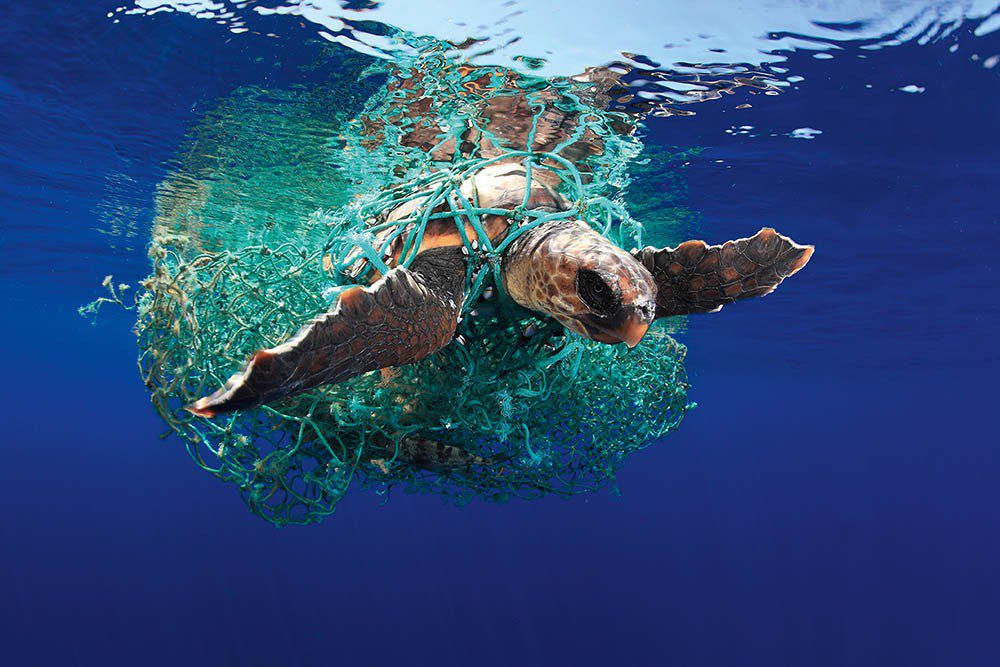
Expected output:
(426, 454)
(696, 277)
(407, 315)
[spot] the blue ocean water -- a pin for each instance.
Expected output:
(832, 500)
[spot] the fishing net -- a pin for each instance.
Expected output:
(514, 407)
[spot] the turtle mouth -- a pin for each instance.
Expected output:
(628, 327)
(632, 332)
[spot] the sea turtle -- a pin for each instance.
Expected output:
(562, 269)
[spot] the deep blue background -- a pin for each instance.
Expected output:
(833, 500)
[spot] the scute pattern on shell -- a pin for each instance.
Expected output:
(499, 185)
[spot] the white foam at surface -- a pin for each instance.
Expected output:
(805, 133)
(988, 26)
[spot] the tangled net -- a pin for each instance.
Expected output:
(505, 414)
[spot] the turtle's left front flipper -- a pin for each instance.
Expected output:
(696, 277)
(405, 316)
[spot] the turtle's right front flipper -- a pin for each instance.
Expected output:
(407, 315)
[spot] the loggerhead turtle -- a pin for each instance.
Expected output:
(562, 269)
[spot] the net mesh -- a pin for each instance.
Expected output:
(514, 407)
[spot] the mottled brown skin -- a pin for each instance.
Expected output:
(404, 317)
(543, 267)
(696, 277)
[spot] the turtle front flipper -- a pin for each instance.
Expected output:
(696, 277)
(405, 316)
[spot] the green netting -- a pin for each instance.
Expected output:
(521, 408)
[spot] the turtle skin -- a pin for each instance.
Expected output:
(696, 277)
(402, 318)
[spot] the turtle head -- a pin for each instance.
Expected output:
(618, 301)
(589, 285)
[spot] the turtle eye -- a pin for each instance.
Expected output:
(595, 292)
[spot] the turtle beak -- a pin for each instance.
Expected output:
(632, 332)
(636, 323)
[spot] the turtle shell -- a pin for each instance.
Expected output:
(497, 186)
